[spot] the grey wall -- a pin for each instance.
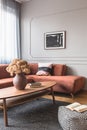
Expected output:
(41, 16)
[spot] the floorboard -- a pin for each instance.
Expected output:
(80, 97)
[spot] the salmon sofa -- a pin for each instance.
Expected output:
(69, 84)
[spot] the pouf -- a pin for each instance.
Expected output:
(72, 120)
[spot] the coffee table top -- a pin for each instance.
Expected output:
(10, 92)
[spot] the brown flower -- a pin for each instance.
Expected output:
(18, 66)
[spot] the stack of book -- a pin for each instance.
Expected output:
(35, 85)
(76, 106)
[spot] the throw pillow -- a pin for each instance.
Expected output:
(44, 69)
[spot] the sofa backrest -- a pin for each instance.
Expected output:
(3, 72)
(33, 68)
(57, 69)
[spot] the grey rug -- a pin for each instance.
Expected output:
(38, 114)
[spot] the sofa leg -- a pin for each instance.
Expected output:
(72, 95)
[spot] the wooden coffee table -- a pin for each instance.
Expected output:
(11, 96)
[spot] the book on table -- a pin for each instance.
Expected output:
(35, 84)
(76, 106)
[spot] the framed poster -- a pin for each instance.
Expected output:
(55, 40)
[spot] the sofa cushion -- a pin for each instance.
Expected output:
(58, 69)
(44, 69)
(3, 72)
(6, 82)
(66, 84)
(33, 68)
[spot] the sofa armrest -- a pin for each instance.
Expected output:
(70, 84)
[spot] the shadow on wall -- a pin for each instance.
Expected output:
(70, 71)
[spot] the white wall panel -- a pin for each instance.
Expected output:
(76, 34)
(41, 16)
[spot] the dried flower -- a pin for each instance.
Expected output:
(18, 66)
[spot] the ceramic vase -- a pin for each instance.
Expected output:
(20, 81)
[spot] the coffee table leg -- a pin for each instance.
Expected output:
(5, 112)
(53, 95)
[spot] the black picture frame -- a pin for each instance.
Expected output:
(55, 40)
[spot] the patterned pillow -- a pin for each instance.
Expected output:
(44, 69)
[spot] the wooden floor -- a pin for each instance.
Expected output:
(81, 97)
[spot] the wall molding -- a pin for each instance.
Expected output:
(59, 12)
(59, 58)
(58, 61)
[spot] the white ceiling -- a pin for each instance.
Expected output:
(21, 1)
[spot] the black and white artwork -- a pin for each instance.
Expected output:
(55, 40)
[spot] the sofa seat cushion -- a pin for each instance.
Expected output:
(69, 84)
(6, 82)
(29, 78)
